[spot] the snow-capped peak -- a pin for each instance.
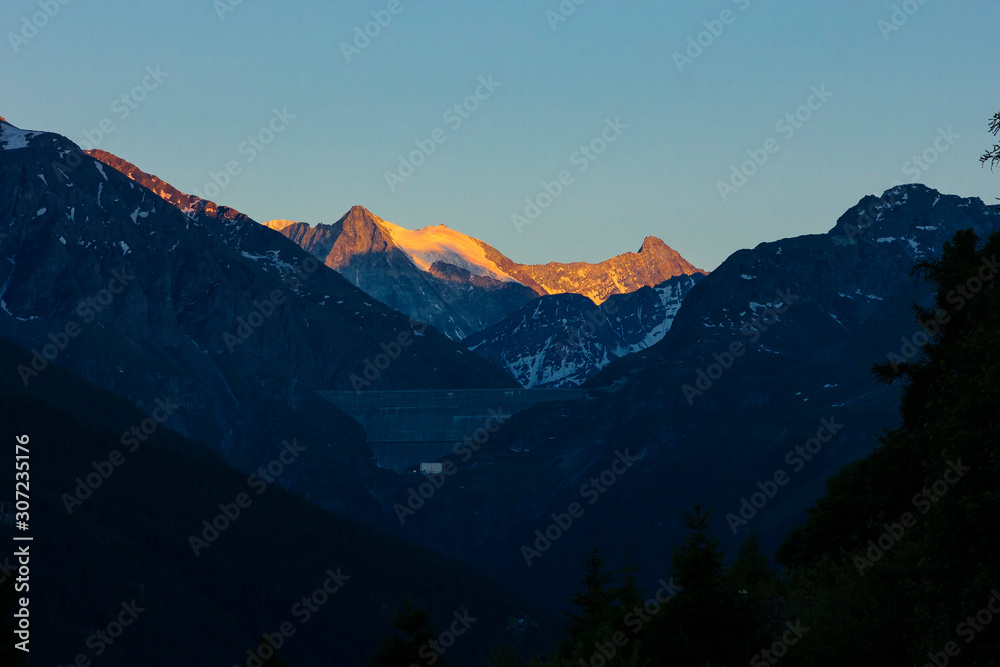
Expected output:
(12, 138)
(441, 244)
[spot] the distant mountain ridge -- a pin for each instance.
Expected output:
(709, 420)
(562, 340)
(444, 284)
(205, 307)
(461, 284)
(654, 263)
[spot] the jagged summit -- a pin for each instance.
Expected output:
(905, 214)
(453, 281)
(653, 244)
(419, 271)
(653, 264)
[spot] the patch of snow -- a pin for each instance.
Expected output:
(12, 138)
(885, 239)
(100, 168)
(124, 246)
(747, 277)
(439, 243)
(41, 211)
(62, 240)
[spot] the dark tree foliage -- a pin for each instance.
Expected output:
(717, 618)
(898, 564)
(412, 643)
(857, 569)
(275, 659)
(992, 156)
(595, 601)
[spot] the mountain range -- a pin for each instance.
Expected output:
(474, 294)
(563, 340)
(708, 385)
(774, 345)
(460, 284)
(156, 299)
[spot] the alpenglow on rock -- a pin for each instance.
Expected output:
(460, 284)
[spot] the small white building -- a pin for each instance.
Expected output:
(431, 468)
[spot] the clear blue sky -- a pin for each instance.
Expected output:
(686, 129)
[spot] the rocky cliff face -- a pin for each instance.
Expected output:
(462, 285)
(185, 202)
(810, 314)
(155, 296)
(564, 339)
(655, 263)
(449, 297)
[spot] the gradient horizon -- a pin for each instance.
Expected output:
(212, 74)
